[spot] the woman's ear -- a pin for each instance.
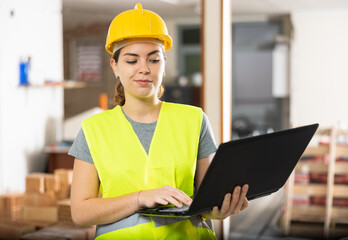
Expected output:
(113, 65)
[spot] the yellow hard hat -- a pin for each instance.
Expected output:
(137, 23)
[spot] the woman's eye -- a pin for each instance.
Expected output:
(132, 62)
(154, 60)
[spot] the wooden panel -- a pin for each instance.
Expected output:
(307, 230)
(323, 131)
(330, 182)
(310, 189)
(339, 215)
(340, 191)
(308, 213)
(341, 151)
(313, 167)
(342, 132)
(289, 186)
(319, 150)
(341, 168)
(317, 213)
(316, 230)
(339, 231)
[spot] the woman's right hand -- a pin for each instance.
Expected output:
(164, 195)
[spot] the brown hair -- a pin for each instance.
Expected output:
(119, 98)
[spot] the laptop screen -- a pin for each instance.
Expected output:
(263, 162)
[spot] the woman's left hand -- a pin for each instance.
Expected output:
(232, 204)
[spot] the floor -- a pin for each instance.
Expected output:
(260, 221)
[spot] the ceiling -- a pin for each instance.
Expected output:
(285, 6)
(87, 11)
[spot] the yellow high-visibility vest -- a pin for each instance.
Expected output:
(124, 167)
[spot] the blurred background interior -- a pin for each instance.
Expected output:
(284, 64)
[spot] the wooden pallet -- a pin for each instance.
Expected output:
(312, 220)
(315, 230)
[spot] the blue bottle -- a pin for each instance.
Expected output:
(23, 73)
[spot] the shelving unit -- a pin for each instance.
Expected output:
(69, 84)
(316, 201)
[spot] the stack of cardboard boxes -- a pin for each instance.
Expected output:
(42, 193)
(10, 215)
(43, 211)
(13, 230)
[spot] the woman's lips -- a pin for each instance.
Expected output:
(143, 82)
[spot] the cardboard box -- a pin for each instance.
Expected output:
(64, 192)
(35, 182)
(14, 199)
(65, 179)
(47, 198)
(51, 182)
(13, 230)
(15, 213)
(41, 182)
(10, 206)
(64, 211)
(3, 207)
(40, 214)
(64, 176)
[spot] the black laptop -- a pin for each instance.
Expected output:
(263, 162)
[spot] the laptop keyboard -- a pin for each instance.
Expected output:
(174, 209)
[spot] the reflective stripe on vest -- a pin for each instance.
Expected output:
(137, 219)
(124, 166)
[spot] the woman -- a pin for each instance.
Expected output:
(144, 152)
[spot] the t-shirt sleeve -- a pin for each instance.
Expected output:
(207, 144)
(79, 148)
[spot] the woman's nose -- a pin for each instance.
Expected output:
(144, 68)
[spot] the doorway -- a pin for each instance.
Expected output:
(255, 109)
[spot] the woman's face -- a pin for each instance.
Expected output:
(140, 68)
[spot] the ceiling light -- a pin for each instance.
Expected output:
(170, 1)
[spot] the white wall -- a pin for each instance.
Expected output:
(30, 117)
(319, 67)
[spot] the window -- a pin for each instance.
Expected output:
(189, 51)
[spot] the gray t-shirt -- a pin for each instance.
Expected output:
(144, 131)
